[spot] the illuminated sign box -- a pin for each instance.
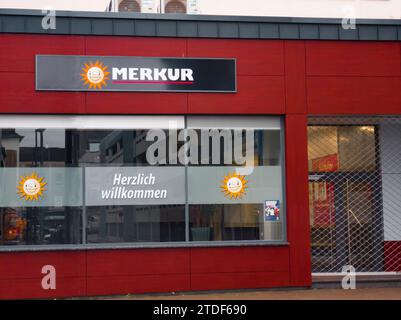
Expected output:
(99, 73)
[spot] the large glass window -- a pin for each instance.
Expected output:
(241, 154)
(32, 213)
(140, 179)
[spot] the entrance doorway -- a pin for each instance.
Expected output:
(355, 211)
(346, 228)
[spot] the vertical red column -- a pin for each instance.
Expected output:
(298, 228)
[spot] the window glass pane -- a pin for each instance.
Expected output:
(130, 199)
(342, 148)
(357, 148)
(40, 225)
(136, 224)
(40, 188)
(235, 193)
(45, 160)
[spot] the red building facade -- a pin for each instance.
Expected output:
(289, 78)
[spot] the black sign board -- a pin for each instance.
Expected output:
(100, 73)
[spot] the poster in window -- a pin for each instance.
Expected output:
(272, 210)
(323, 204)
(327, 163)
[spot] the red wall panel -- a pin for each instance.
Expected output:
(295, 79)
(18, 95)
(256, 95)
(23, 288)
(14, 265)
(17, 78)
(348, 58)
(105, 272)
(353, 77)
(137, 284)
(137, 262)
(239, 259)
(239, 267)
(242, 280)
(254, 57)
(137, 271)
(21, 277)
(17, 51)
(271, 76)
(354, 95)
(260, 67)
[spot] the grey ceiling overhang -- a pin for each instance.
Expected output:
(197, 26)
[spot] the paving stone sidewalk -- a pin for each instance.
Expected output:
(306, 294)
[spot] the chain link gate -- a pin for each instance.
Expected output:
(355, 193)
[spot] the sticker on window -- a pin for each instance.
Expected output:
(272, 210)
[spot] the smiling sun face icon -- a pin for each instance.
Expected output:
(95, 75)
(31, 187)
(234, 186)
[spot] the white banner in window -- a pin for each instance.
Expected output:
(40, 187)
(225, 185)
(134, 185)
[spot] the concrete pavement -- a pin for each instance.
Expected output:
(389, 293)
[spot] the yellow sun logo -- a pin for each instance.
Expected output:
(95, 75)
(234, 185)
(31, 187)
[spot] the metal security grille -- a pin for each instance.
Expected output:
(355, 193)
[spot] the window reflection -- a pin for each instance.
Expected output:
(54, 148)
(230, 220)
(136, 224)
(226, 222)
(59, 221)
(342, 148)
(40, 226)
